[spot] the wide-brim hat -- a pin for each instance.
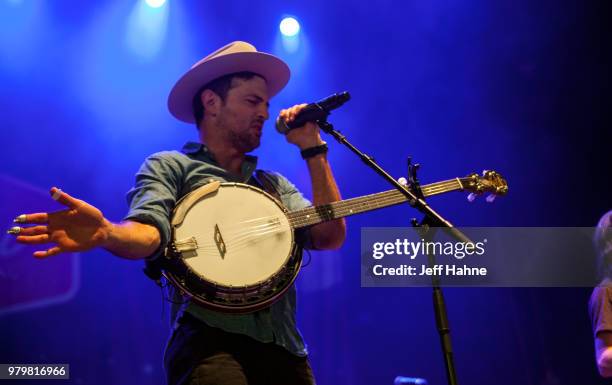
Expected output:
(234, 57)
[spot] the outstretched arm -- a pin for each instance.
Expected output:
(82, 227)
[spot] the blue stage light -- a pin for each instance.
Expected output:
(155, 3)
(289, 26)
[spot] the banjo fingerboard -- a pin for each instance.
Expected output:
(316, 214)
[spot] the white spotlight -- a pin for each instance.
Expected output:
(155, 3)
(289, 26)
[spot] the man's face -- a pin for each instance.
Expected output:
(243, 113)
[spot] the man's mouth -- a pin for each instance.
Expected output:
(258, 128)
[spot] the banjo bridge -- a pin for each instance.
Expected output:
(219, 242)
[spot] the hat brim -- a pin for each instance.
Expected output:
(275, 71)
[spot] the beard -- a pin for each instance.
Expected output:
(244, 141)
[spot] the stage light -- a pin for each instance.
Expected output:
(155, 3)
(289, 26)
(146, 28)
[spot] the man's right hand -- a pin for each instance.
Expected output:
(80, 227)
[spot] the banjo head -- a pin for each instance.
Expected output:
(233, 247)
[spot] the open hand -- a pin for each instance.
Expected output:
(80, 227)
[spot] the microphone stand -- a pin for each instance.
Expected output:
(428, 232)
(425, 229)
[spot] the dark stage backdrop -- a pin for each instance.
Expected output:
(521, 87)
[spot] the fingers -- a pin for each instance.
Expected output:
(35, 235)
(34, 230)
(33, 239)
(47, 253)
(64, 198)
(289, 114)
(32, 218)
(43, 218)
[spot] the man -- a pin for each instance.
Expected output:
(600, 303)
(226, 94)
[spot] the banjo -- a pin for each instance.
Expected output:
(233, 246)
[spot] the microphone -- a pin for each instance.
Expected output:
(313, 112)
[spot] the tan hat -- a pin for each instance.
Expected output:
(234, 57)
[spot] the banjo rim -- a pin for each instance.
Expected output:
(265, 291)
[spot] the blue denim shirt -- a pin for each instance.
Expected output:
(162, 180)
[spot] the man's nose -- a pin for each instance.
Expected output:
(264, 113)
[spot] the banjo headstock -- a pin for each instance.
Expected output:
(489, 182)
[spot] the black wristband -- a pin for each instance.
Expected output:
(314, 151)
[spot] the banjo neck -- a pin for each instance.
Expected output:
(490, 181)
(316, 214)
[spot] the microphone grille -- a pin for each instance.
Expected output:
(281, 126)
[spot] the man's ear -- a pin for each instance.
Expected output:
(211, 102)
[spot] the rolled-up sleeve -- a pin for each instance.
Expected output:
(292, 198)
(154, 195)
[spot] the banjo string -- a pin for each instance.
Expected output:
(237, 245)
(390, 198)
(244, 236)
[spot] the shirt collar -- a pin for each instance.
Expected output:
(193, 148)
(199, 150)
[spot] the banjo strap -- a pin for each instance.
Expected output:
(263, 179)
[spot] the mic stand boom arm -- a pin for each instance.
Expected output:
(434, 219)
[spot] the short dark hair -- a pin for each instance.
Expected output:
(219, 86)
